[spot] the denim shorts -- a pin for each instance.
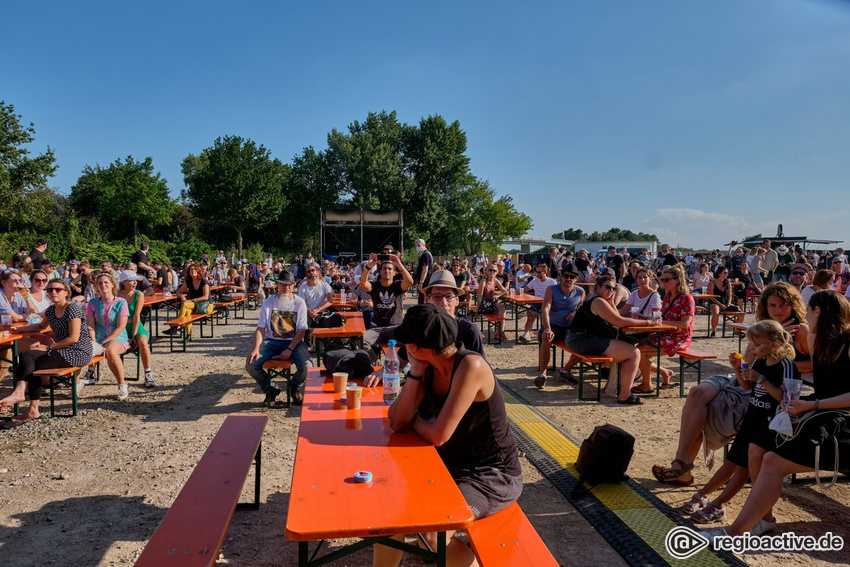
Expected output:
(586, 344)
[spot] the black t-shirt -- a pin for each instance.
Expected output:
(37, 257)
(140, 258)
(615, 262)
(554, 268)
(669, 260)
(425, 260)
(387, 304)
(162, 275)
(762, 405)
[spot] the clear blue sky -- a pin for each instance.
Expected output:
(700, 121)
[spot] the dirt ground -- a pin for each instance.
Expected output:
(92, 490)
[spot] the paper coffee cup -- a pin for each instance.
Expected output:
(353, 395)
(340, 380)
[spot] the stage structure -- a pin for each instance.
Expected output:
(352, 234)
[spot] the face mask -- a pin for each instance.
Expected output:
(420, 249)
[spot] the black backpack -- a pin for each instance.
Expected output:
(604, 456)
(327, 320)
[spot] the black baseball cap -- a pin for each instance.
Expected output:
(427, 326)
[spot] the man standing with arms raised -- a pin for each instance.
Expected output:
(424, 268)
(387, 296)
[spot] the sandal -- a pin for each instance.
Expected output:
(673, 473)
(709, 514)
(632, 400)
(697, 501)
(638, 390)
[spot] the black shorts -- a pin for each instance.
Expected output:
(488, 490)
(587, 344)
(560, 334)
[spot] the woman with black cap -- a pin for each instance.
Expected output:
(452, 400)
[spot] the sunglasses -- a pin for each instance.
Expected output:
(55, 289)
(498, 270)
(611, 287)
(665, 279)
(39, 280)
(798, 273)
(568, 276)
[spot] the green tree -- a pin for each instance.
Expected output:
(478, 218)
(574, 234)
(23, 178)
(237, 184)
(307, 191)
(125, 194)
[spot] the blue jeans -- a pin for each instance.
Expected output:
(272, 348)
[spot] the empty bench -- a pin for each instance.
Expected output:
(494, 323)
(193, 530)
(691, 359)
(202, 319)
(507, 539)
(224, 307)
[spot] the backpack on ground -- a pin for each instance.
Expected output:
(604, 457)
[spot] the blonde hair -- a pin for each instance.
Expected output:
(772, 332)
(111, 280)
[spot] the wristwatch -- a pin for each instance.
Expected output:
(413, 377)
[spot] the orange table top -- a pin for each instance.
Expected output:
(7, 341)
(650, 329)
(158, 298)
(411, 490)
(522, 298)
(354, 327)
(349, 305)
(705, 296)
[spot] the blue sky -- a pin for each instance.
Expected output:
(699, 121)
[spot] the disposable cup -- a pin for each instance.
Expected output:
(793, 387)
(353, 394)
(340, 380)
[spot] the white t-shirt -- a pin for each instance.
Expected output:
(539, 287)
(281, 317)
(314, 296)
(646, 304)
(807, 294)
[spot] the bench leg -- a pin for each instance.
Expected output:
(258, 460)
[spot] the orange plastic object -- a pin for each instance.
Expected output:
(507, 539)
(354, 327)
(193, 529)
(411, 490)
(525, 299)
(738, 356)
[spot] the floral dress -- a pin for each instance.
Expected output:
(682, 305)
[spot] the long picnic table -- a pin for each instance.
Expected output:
(522, 303)
(653, 331)
(410, 492)
(353, 331)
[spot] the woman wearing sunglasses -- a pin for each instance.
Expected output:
(72, 347)
(489, 290)
(594, 333)
(37, 300)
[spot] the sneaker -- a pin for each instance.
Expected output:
(524, 339)
(763, 527)
(710, 535)
(540, 381)
(149, 383)
(123, 391)
(567, 376)
(271, 396)
(88, 378)
(80, 386)
(170, 331)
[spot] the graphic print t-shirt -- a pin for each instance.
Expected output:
(387, 301)
(282, 317)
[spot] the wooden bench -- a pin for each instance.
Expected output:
(728, 317)
(180, 323)
(585, 363)
(280, 372)
(193, 530)
(507, 539)
(134, 352)
(691, 359)
(223, 308)
(494, 323)
(67, 375)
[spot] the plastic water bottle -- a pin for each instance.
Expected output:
(391, 376)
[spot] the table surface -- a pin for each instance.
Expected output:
(650, 329)
(158, 298)
(354, 327)
(411, 490)
(8, 341)
(523, 298)
(349, 305)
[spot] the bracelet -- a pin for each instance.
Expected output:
(413, 377)
(817, 404)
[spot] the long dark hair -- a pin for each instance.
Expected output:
(832, 332)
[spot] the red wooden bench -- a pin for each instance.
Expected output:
(180, 324)
(193, 530)
(507, 539)
(495, 324)
(585, 363)
(691, 359)
(280, 372)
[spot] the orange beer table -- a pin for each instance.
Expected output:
(353, 330)
(522, 302)
(411, 491)
(646, 334)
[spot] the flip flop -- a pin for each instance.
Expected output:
(638, 390)
(631, 400)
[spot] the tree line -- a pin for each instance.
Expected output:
(237, 193)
